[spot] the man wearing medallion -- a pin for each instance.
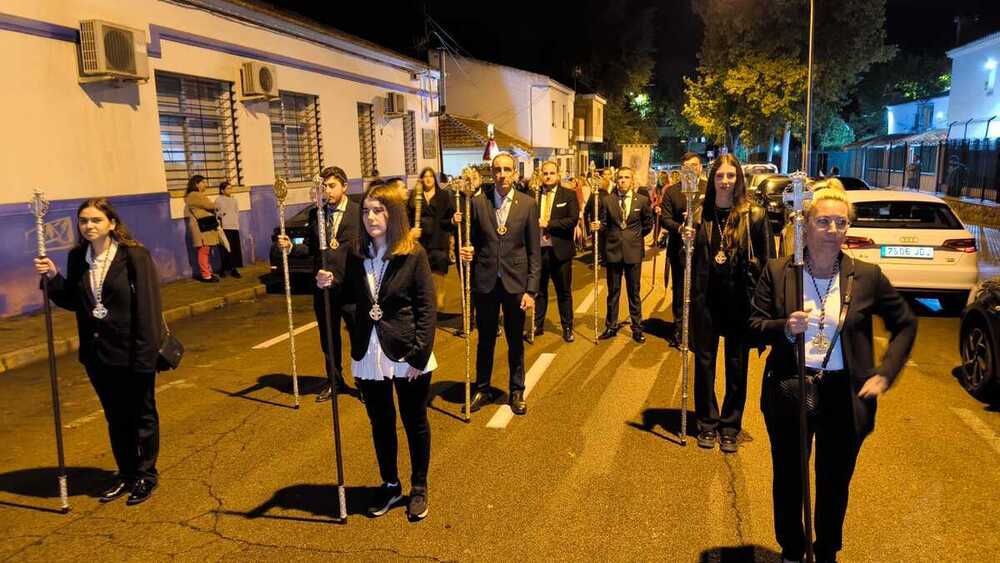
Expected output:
(505, 255)
(626, 218)
(559, 212)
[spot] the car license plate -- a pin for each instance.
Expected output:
(298, 240)
(924, 252)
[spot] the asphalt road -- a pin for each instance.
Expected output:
(594, 471)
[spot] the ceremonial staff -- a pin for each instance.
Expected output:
(795, 195)
(689, 187)
(330, 368)
(280, 193)
(595, 187)
(418, 202)
(535, 185)
(39, 206)
(461, 187)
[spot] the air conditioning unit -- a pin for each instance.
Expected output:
(112, 52)
(259, 80)
(395, 105)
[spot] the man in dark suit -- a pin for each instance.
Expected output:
(558, 211)
(626, 219)
(343, 230)
(504, 252)
(672, 207)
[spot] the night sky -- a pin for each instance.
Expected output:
(492, 32)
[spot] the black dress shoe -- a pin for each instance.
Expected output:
(120, 488)
(517, 403)
(608, 333)
(141, 491)
(706, 439)
(638, 337)
(728, 443)
(568, 335)
(236, 274)
(325, 395)
(479, 400)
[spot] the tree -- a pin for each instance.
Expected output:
(906, 77)
(836, 134)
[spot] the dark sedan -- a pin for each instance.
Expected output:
(300, 261)
(772, 190)
(979, 343)
(851, 183)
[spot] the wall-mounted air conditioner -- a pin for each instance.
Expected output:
(112, 52)
(260, 81)
(395, 105)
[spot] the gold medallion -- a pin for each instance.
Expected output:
(334, 245)
(720, 258)
(821, 343)
(502, 230)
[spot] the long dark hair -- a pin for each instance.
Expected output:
(399, 240)
(119, 234)
(420, 177)
(736, 230)
(193, 182)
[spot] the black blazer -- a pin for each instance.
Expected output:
(623, 240)
(407, 300)
(131, 334)
(774, 300)
(348, 238)
(563, 219)
(515, 256)
(672, 206)
(435, 219)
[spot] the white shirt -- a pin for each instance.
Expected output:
(229, 212)
(814, 358)
(375, 365)
(99, 266)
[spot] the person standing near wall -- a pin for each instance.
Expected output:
(204, 226)
(437, 221)
(228, 210)
(112, 285)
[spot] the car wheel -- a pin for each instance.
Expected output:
(979, 358)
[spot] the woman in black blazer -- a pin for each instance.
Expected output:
(732, 243)
(112, 285)
(391, 346)
(841, 295)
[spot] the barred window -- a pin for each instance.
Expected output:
(410, 142)
(295, 136)
(366, 138)
(198, 129)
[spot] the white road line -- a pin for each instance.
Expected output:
(284, 336)
(503, 416)
(588, 301)
(979, 427)
(87, 418)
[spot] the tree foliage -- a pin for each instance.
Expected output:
(906, 77)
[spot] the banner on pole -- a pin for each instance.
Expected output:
(638, 157)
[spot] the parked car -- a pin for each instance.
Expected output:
(979, 342)
(917, 240)
(852, 184)
(300, 260)
(759, 168)
(770, 193)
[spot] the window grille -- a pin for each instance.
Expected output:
(410, 142)
(295, 136)
(198, 129)
(366, 136)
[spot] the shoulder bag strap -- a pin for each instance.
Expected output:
(843, 315)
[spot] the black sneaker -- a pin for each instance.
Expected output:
(417, 508)
(706, 439)
(385, 498)
(728, 443)
(141, 491)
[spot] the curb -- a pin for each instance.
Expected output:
(40, 352)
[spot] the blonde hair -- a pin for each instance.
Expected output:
(829, 193)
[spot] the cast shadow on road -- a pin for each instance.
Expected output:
(41, 482)
(318, 500)
(308, 385)
(668, 420)
(453, 393)
(739, 554)
(660, 329)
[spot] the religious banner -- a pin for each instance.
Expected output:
(638, 157)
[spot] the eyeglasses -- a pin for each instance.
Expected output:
(825, 222)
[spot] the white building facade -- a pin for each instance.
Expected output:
(974, 103)
(138, 141)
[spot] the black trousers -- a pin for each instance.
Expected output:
(632, 273)
(837, 448)
(413, 396)
(677, 290)
(127, 398)
(232, 258)
(334, 358)
(561, 274)
(706, 345)
(488, 306)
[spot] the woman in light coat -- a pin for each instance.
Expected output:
(200, 211)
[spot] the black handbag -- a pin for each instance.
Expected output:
(171, 350)
(786, 391)
(208, 224)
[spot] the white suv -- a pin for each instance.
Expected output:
(917, 241)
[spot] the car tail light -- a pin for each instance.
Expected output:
(857, 243)
(967, 245)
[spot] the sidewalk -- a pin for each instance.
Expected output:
(22, 339)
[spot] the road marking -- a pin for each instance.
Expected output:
(92, 416)
(979, 427)
(283, 337)
(503, 416)
(587, 302)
